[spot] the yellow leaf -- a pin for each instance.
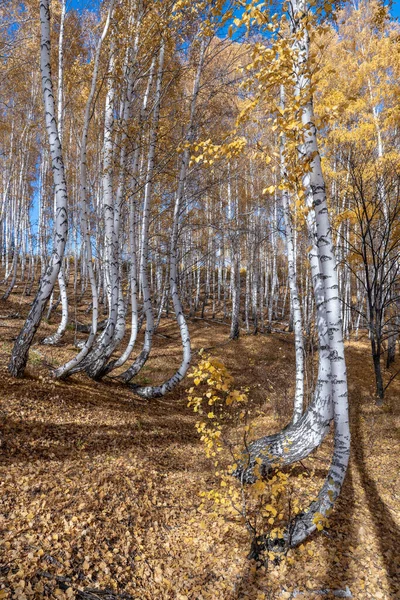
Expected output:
(271, 509)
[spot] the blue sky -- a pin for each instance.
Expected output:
(92, 4)
(396, 9)
(82, 4)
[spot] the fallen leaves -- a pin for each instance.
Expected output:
(91, 501)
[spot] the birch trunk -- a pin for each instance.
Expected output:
(71, 365)
(294, 294)
(167, 386)
(56, 337)
(20, 351)
(307, 433)
(113, 335)
(132, 238)
(314, 186)
(144, 252)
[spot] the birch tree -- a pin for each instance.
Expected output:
(152, 392)
(87, 248)
(20, 351)
(56, 337)
(301, 23)
(148, 189)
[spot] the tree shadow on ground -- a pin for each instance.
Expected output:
(77, 421)
(30, 440)
(386, 529)
(338, 539)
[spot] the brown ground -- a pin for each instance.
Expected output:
(100, 489)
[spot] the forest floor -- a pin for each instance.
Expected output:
(100, 489)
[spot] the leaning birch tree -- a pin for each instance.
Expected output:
(167, 386)
(19, 356)
(64, 370)
(56, 337)
(329, 322)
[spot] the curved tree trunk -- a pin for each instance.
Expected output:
(144, 254)
(299, 439)
(72, 365)
(20, 351)
(132, 233)
(314, 186)
(56, 337)
(167, 386)
(94, 361)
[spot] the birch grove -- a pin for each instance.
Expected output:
(231, 164)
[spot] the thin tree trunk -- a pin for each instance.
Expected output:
(69, 367)
(20, 351)
(294, 294)
(167, 386)
(144, 252)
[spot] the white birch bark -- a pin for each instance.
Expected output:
(132, 237)
(314, 185)
(20, 351)
(94, 358)
(274, 277)
(70, 366)
(114, 334)
(15, 213)
(294, 294)
(56, 337)
(306, 434)
(134, 369)
(167, 386)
